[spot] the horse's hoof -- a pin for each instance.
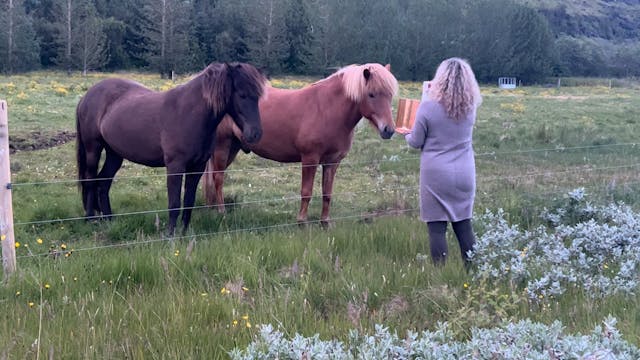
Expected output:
(326, 224)
(92, 219)
(169, 233)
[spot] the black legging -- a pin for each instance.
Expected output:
(438, 240)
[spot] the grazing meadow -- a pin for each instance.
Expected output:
(556, 216)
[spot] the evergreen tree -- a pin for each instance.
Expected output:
(298, 36)
(19, 48)
(167, 31)
(579, 57)
(489, 41)
(205, 28)
(232, 36)
(122, 22)
(266, 42)
(89, 46)
(529, 56)
(45, 14)
(66, 33)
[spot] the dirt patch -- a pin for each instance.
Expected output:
(37, 140)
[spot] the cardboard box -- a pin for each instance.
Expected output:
(406, 115)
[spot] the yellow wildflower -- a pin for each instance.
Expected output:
(2, 237)
(31, 304)
(39, 241)
(61, 91)
(17, 244)
(248, 325)
(235, 322)
(63, 247)
(245, 317)
(47, 286)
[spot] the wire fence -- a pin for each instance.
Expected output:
(357, 215)
(342, 163)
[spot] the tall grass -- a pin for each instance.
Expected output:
(120, 289)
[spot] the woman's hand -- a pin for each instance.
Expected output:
(403, 130)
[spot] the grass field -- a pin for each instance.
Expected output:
(118, 289)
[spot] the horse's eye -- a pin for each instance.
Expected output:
(372, 95)
(242, 96)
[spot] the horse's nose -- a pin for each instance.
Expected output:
(387, 132)
(253, 135)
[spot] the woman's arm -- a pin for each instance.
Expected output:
(418, 135)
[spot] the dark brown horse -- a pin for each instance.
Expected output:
(313, 125)
(173, 129)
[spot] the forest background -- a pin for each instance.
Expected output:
(529, 39)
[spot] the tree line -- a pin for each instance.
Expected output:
(303, 37)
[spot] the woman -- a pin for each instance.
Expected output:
(443, 129)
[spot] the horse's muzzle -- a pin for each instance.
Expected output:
(252, 135)
(386, 132)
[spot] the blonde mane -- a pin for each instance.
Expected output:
(356, 86)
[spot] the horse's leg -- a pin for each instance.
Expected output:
(174, 192)
(221, 162)
(309, 166)
(190, 186)
(112, 164)
(89, 186)
(208, 181)
(328, 174)
(214, 178)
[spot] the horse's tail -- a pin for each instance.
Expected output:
(81, 156)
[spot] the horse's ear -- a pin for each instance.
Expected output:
(265, 72)
(388, 67)
(367, 74)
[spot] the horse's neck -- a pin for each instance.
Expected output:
(346, 110)
(192, 93)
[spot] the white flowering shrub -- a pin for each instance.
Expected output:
(521, 340)
(595, 248)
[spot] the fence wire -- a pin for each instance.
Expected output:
(362, 215)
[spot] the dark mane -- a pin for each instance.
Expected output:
(216, 87)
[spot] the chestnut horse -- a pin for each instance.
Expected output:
(313, 125)
(173, 129)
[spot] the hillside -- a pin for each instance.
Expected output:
(616, 20)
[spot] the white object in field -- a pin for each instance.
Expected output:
(426, 85)
(507, 82)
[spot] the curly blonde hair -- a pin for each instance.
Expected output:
(455, 87)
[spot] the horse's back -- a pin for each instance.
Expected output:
(101, 96)
(305, 118)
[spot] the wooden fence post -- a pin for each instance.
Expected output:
(6, 207)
